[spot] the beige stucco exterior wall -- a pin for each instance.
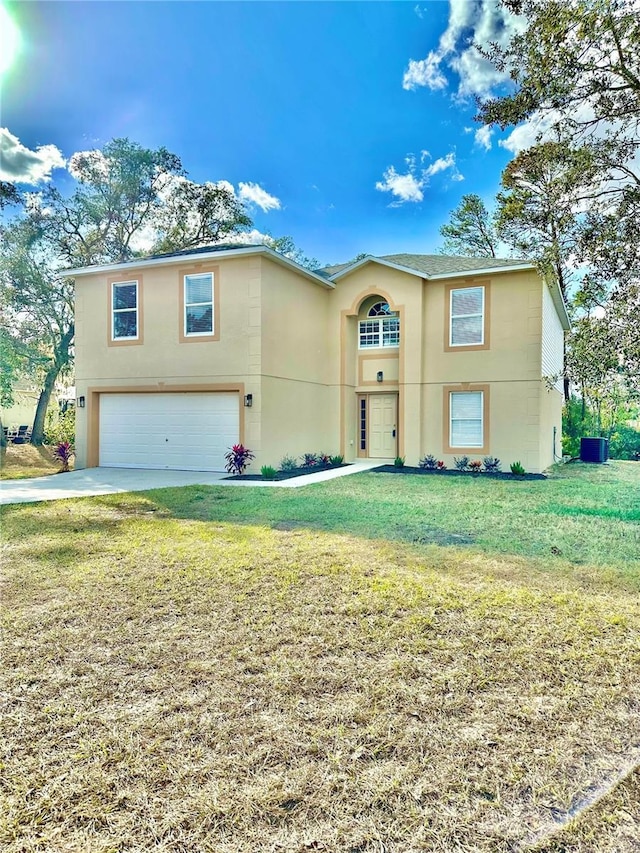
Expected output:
(299, 397)
(358, 367)
(162, 360)
(293, 345)
(271, 325)
(551, 402)
(510, 366)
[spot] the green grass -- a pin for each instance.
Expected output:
(583, 515)
(329, 668)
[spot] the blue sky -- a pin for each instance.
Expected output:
(347, 125)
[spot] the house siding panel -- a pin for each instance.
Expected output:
(552, 340)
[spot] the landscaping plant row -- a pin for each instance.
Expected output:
(488, 466)
(239, 457)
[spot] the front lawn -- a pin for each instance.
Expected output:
(372, 663)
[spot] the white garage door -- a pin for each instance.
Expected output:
(186, 432)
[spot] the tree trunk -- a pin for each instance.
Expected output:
(37, 431)
(61, 359)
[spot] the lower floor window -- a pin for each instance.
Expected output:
(466, 419)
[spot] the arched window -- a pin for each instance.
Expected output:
(381, 327)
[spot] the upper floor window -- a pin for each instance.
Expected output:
(381, 328)
(198, 304)
(466, 326)
(124, 310)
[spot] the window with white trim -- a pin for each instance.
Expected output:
(381, 328)
(124, 310)
(198, 304)
(466, 326)
(466, 428)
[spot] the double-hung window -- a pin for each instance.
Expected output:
(124, 310)
(466, 427)
(198, 304)
(466, 312)
(381, 328)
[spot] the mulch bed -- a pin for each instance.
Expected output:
(287, 475)
(453, 472)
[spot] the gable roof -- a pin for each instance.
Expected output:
(221, 250)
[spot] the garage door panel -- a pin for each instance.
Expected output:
(181, 431)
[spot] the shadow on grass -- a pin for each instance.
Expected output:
(581, 524)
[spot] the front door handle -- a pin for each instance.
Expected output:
(393, 433)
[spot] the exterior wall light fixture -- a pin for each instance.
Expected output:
(248, 400)
(81, 402)
(379, 376)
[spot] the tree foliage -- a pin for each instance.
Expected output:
(38, 322)
(286, 246)
(470, 230)
(572, 199)
(576, 64)
(537, 212)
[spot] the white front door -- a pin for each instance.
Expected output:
(383, 410)
(180, 431)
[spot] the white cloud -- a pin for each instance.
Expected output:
(404, 187)
(440, 165)
(410, 185)
(20, 165)
(424, 72)
(253, 237)
(254, 194)
(483, 22)
(483, 137)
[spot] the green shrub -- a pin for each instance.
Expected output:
(288, 464)
(337, 460)
(268, 472)
(624, 442)
(491, 464)
(570, 445)
(517, 469)
(61, 429)
(429, 462)
(461, 462)
(399, 461)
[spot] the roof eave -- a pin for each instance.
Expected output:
(363, 261)
(482, 271)
(560, 304)
(172, 260)
(432, 276)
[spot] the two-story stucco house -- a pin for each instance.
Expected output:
(180, 356)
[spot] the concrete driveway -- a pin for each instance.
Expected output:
(109, 481)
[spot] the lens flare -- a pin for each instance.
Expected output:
(9, 40)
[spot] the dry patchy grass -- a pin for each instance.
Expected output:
(19, 461)
(183, 685)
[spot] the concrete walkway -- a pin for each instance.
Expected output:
(109, 481)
